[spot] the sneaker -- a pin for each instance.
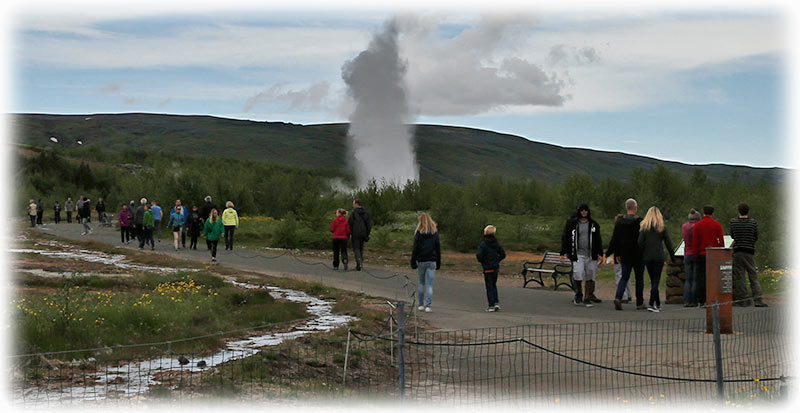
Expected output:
(345, 265)
(653, 309)
(336, 268)
(83, 233)
(421, 308)
(760, 303)
(213, 259)
(593, 299)
(641, 307)
(577, 300)
(588, 304)
(490, 310)
(626, 300)
(497, 307)
(618, 305)
(427, 309)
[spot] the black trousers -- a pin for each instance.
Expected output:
(358, 251)
(229, 229)
(193, 241)
(213, 245)
(490, 280)
(700, 282)
(58, 217)
(147, 238)
(339, 249)
(33, 220)
(39, 217)
(125, 233)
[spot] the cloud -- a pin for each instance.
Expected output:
(313, 97)
(113, 88)
(475, 71)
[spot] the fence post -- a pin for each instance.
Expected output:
(346, 354)
(401, 357)
(718, 351)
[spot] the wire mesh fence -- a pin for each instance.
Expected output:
(657, 361)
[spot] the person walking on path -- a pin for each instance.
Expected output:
(426, 258)
(68, 208)
(125, 219)
(138, 217)
(148, 225)
(194, 224)
(32, 212)
(213, 230)
(341, 233)
(582, 244)
(360, 227)
(625, 245)
(79, 209)
(183, 233)
(627, 294)
(489, 254)
(57, 212)
(689, 260)
(652, 234)
(205, 212)
(707, 233)
(39, 212)
(230, 220)
(177, 220)
(85, 213)
(101, 210)
(157, 215)
(744, 231)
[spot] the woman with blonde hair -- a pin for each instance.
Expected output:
(230, 220)
(213, 230)
(426, 258)
(652, 234)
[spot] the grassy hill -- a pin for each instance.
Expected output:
(445, 153)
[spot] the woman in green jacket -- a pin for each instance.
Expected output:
(213, 230)
(148, 225)
(652, 234)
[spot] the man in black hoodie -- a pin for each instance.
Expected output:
(582, 244)
(624, 244)
(360, 227)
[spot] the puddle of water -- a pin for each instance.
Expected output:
(137, 378)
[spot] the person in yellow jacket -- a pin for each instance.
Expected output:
(230, 219)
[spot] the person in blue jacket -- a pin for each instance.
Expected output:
(177, 220)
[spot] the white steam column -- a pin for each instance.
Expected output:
(379, 139)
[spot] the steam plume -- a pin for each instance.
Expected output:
(379, 138)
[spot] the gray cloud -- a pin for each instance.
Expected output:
(472, 72)
(563, 55)
(314, 97)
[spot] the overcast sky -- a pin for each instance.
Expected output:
(703, 84)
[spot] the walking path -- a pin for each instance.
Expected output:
(456, 304)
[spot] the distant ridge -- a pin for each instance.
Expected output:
(445, 153)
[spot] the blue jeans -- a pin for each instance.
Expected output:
(638, 269)
(426, 270)
(690, 267)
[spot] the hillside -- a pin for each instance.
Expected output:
(445, 153)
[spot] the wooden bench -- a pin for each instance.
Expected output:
(555, 269)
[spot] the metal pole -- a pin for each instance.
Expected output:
(391, 334)
(401, 358)
(718, 351)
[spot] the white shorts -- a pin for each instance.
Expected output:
(585, 269)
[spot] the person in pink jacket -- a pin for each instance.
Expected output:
(125, 231)
(341, 233)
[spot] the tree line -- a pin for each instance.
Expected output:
(307, 196)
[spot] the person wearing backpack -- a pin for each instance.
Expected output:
(490, 253)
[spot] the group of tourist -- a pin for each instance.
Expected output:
(141, 222)
(637, 244)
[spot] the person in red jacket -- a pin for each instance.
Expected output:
(341, 233)
(707, 233)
